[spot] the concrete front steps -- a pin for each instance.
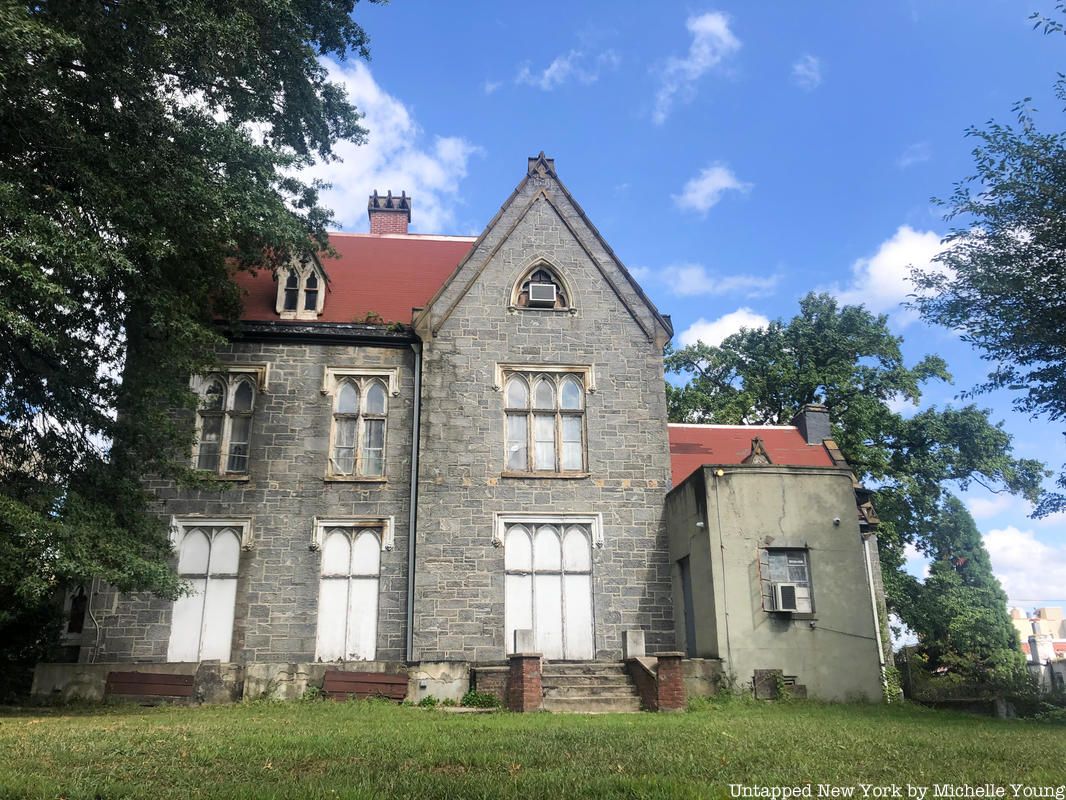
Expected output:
(588, 687)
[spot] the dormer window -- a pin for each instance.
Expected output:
(300, 294)
(541, 289)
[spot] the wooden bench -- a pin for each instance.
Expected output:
(341, 685)
(149, 685)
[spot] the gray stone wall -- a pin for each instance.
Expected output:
(277, 587)
(459, 605)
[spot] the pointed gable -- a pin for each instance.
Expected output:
(541, 202)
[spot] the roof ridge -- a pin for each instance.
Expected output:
(421, 236)
(733, 427)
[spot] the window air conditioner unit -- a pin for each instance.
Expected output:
(542, 294)
(785, 597)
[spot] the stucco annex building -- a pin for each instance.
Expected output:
(431, 443)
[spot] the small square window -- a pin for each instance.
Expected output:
(785, 578)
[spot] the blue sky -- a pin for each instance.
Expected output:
(734, 155)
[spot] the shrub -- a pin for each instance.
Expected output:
(473, 699)
(429, 701)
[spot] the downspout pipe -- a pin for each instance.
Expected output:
(412, 511)
(865, 538)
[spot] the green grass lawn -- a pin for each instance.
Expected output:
(360, 749)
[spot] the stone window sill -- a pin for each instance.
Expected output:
(547, 475)
(228, 478)
(355, 479)
(571, 311)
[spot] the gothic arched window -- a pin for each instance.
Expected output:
(542, 289)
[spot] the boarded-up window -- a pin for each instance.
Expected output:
(201, 626)
(548, 588)
(348, 594)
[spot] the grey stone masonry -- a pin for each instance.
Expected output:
(278, 578)
(470, 328)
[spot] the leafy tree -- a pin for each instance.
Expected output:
(147, 150)
(1002, 281)
(847, 359)
(960, 611)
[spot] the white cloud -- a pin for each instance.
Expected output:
(985, 507)
(900, 404)
(488, 87)
(712, 42)
(882, 281)
(1029, 569)
(575, 65)
(396, 157)
(702, 192)
(915, 154)
(807, 72)
(714, 331)
(694, 279)
(915, 562)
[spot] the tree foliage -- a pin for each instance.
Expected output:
(847, 359)
(960, 610)
(147, 149)
(1001, 280)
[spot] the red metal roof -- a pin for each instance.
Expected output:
(692, 446)
(384, 274)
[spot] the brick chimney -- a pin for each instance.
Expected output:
(813, 422)
(389, 214)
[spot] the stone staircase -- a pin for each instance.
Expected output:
(588, 687)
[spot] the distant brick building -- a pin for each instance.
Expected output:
(428, 443)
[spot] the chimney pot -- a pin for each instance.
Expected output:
(389, 214)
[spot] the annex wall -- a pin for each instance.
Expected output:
(833, 650)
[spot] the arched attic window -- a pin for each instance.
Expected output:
(301, 292)
(542, 289)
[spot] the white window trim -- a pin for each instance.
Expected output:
(594, 521)
(386, 525)
(586, 372)
(178, 526)
(302, 272)
(332, 376)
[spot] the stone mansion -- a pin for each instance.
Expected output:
(435, 446)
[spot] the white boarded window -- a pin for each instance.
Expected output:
(348, 594)
(201, 626)
(358, 435)
(548, 587)
(545, 422)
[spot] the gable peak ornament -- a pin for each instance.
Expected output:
(540, 169)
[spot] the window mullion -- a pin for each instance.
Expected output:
(357, 467)
(223, 455)
(558, 441)
(531, 462)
